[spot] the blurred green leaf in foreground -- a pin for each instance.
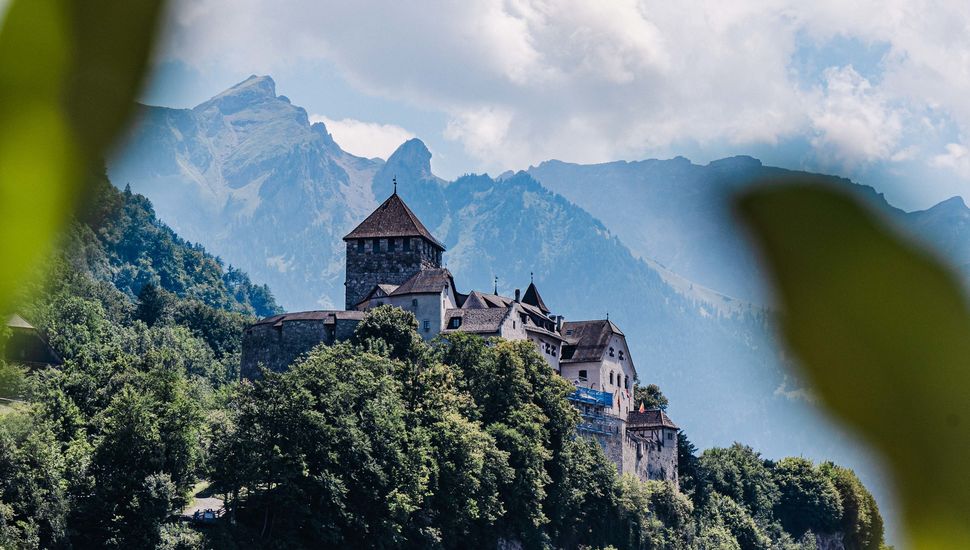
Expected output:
(69, 75)
(883, 332)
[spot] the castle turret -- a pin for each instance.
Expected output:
(389, 247)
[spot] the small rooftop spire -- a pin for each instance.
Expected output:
(395, 183)
(496, 286)
(532, 278)
(607, 315)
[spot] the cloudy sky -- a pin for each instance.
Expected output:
(874, 90)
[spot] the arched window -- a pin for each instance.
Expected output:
(626, 382)
(611, 377)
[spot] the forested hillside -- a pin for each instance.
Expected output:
(251, 177)
(385, 441)
(118, 239)
(99, 452)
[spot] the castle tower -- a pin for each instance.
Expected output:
(389, 247)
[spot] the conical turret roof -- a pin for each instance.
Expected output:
(532, 297)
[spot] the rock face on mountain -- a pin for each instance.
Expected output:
(678, 214)
(246, 174)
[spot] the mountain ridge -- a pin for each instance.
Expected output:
(292, 193)
(678, 214)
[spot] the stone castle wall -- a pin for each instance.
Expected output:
(391, 264)
(661, 454)
(644, 454)
(277, 346)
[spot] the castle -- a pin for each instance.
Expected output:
(393, 259)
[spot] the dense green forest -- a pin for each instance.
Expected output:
(384, 441)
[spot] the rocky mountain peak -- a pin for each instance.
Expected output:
(249, 92)
(413, 152)
(412, 158)
(952, 205)
(738, 162)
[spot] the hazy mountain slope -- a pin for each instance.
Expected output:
(720, 365)
(248, 175)
(117, 240)
(678, 213)
(946, 227)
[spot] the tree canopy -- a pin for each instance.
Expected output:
(383, 441)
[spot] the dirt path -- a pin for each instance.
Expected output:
(202, 500)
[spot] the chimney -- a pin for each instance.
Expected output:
(559, 319)
(518, 295)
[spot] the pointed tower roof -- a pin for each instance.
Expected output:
(532, 297)
(393, 218)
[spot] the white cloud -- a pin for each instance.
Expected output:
(482, 131)
(956, 158)
(854, 123)
(364, 139)
(525, 80)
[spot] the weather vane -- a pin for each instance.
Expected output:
(496, 285)
(395, 183)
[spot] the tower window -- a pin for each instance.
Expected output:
(582, 375)
(374, 246)
(407, 243)
(360, 245)
(621, 355)
(611, 352)
(427, 325)
(392, 244)
(611, 378)
(626, 382)
(414, 302)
